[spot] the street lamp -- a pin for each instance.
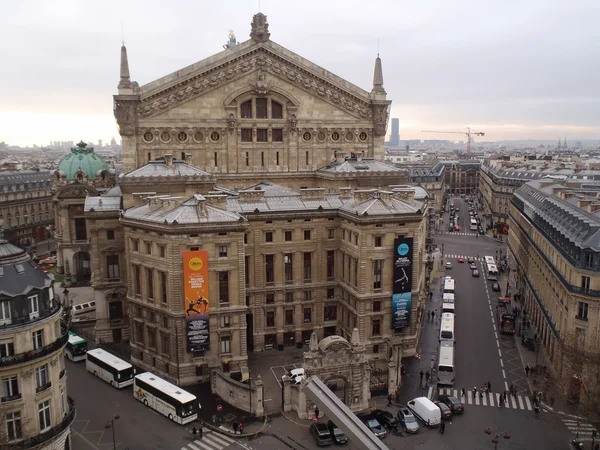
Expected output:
(495, 439)
(111, 424)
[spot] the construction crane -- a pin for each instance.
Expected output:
(468, 133)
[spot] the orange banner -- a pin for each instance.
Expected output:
(195, 276)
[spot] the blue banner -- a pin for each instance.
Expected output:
(402, 287)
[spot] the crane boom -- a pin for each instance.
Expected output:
(467, 133)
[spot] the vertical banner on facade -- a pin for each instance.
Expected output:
(195, 289)
(402, 289)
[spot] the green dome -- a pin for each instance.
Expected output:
(82, 158)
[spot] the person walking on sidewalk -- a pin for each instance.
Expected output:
(527, 369)
(421, 375)
(463, 393)
(489, 386)
(389, 400)
(235, 427)
(427, 376)
(442, 427)
(432, 315)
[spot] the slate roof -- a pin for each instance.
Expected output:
(113, 192)
(366, 165)
(158, 168)
(292, 202)
(25, 178)
(272, 190)
(18, 274)
(379, 207)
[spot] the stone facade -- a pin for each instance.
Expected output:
(26, 207)
(462, 177)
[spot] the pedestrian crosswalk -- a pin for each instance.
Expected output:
(209, 441)
(458, 233)
(466, 258)
(488, 399)
(579, 428)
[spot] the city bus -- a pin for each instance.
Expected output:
(473, 225)
(76, 348)
(447, 327)
(169, 400)
(448, 298)
(492, 272)
(448, 285)
(489, 260)
(448, 308)
(107, 367)
(505, 316)
(445, 372)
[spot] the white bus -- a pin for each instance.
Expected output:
(107, 367)
(447, 328)
(171, 401)
(76, 348)
(445, 372)
(489, 260)
(448, 285)
(492, 272)
(448, 308)
(473, 225)
(448, 298)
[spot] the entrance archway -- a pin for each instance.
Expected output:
(83, 269)
(339, 386)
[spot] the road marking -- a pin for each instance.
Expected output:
(483, 402)
(477, 399)
(469, 397)
(492, 399)
(496, 335)
(521, 403)
(528, 403)
(84, 438)
(503, 375)
(501, 363)
(505, 385)
(499, 353)
(497, 398)
(498, 344)
(492, 314)
(222, 439)
(513, 403)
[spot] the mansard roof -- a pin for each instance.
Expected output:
(364, 165)
(162, 168)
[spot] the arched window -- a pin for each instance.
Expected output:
(276, 110)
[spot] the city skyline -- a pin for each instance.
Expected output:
(514, 72)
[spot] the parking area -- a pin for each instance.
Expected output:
(280, 371)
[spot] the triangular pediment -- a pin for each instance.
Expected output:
(238, 62)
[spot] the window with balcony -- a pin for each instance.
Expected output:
(330, 312)
(307, 315)
(585, 283)
(112, 267)
(223, 287)
(330, 292)
(377, 269)
(222, 251)
(330, 265)
(270, 299)
(150, 283)
(269, 269)
(582, 311)
(44, 416)
(378, 241)
(163, 287)
(80, 229)
(377, 306)
(7, 348)
(13, 426)
(41, 376)
(288, 267)
(270, 318)
(225, 344)
(307, 267)
(376, 328)
(224, 321)
(10, 388)
(288, 297)
(289, 317)
(34, 306)
(5, 314)
(38, 339)
(307, 235)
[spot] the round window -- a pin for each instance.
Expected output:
(148, 136)
(215, 136)
(181, 136)
(321, 136)
(165, 136)
(307, 136)
(335, 136)
(198, 136)
(349, 136)
(363, 136)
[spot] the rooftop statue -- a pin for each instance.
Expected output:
(232, 41)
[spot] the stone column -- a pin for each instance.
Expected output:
(392, 373)
(287, 394)
(259, 396)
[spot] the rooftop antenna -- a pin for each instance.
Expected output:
(122, 34)
(378, 47)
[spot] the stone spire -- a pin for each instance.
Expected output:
(559, 144)
(125, 83)
(565, 146)
(378, 78)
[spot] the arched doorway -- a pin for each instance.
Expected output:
(82, 267)
(339, 386)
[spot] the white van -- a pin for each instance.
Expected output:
(448, 308)
(447, 327)
(426, 411)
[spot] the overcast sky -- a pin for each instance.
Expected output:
(513, 69)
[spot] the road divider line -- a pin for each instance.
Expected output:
(505, 385)
(499, 353)
(502, 363)
(504, 376)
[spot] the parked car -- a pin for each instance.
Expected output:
(448, 265)
(452, 403)
(297, 375)
(339, 437)
(496, 286)
(450, 228)
(470, 260)
(476, 273)
(446, 413)
(407, 420)
(373, 425)
(385, 418)
(321, 434)
(473, 266)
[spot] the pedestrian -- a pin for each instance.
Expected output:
(463, 393)
(235, 427)
(430, 295)
(194, 431)
(241, 428)
(421, 375)
(432, 315)
(442, 427)
(317, 412)
(200, 432)
(427, 376)
(527, 369)
(489, 386)
(389, 400)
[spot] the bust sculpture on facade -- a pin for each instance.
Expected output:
(260, 28)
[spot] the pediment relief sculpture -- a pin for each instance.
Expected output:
(261, 85)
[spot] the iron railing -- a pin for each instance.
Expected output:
(21, 321)
(30, 355)
(34, 441)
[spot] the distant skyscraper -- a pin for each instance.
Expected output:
(395, 138)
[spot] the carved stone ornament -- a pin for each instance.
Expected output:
(293, 122)
(380, 119)
(125, 113)
(260, 59)
(262, 86)
(231, 122)
(259, 31)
